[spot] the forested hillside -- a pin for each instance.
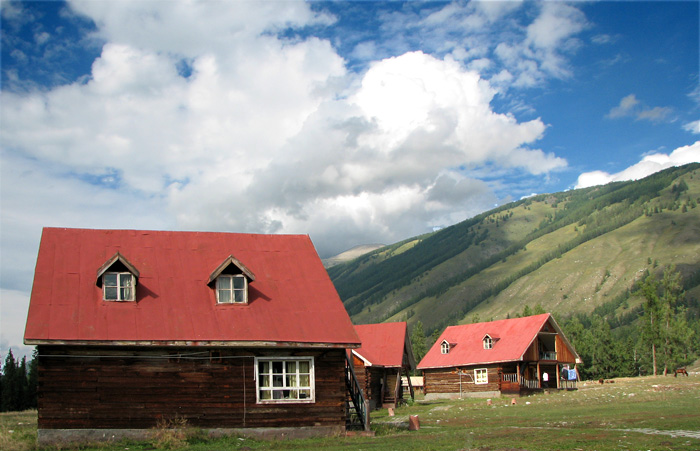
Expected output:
(581, 254)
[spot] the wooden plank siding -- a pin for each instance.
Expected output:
(447, 380)
(532, 354)
(132, 388)
(564, 354)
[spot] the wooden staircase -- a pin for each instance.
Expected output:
(356, 406)
(391, 391)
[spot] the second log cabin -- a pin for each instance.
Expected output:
(511, 356)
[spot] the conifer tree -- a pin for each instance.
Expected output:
(10, 384)
(665, 329)
(33, 380)
(418, 341)
(672, 287)
(17, 388)
(651, 329)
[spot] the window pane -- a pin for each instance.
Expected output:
(303, 366)
(238, 283)
(224, 296)
(294, 394)
(110, 293)
(239, 297)
(277, 381)
(291, 367)
(265, 381)
(264, 367)
(265, 394)
(304, 394)
(277, 367)
(303, 381)
(126, 294)
(125, 280)
(223, 282)
(291, 381)
(110, 279)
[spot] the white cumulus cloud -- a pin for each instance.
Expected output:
(650, 164)
(205, 115)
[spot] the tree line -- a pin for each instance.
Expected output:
(661, 335)
(18, 383)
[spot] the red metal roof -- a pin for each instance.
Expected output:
(382, 344)
(291, 300)
(512, 337)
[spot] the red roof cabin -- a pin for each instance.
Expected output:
(384, 356)
(233, 332)
(511, 356)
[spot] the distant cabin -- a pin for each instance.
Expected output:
(416, 382)
(239, 333)
(384, 356)
(511, 356)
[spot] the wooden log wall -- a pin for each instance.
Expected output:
(446, 380)
(132, 388)
(362, 375)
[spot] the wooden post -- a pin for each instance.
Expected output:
(366, 425)
(410, 385)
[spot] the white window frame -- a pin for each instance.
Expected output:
(481, 376)
(125, 292)
(444, 347)
(488, 342)
(231, 289)
(290, 389)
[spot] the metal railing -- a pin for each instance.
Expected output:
(548, 355)
(359, 402)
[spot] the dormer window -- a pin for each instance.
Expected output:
(118, 286)
(445, 347)
(488, 342)
(231, 289)
(231, 279)
(118, 279)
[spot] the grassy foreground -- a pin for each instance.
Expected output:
(649, 413)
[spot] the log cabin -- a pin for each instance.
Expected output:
(232, 333)
(512, 356)
(384, 356)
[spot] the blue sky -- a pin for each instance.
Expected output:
(353, 122)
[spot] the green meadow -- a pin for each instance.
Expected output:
(646, 413)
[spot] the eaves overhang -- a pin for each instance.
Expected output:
(194, 343)
(454, 365)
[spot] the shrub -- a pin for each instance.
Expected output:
(171, 433)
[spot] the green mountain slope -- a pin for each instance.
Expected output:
(568, 252)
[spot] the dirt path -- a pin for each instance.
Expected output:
(687, 434)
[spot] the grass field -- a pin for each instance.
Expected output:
(649, 413)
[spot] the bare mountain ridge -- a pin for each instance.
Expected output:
(350, 254)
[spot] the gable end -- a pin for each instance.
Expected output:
(231, 261)
(117, 263)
